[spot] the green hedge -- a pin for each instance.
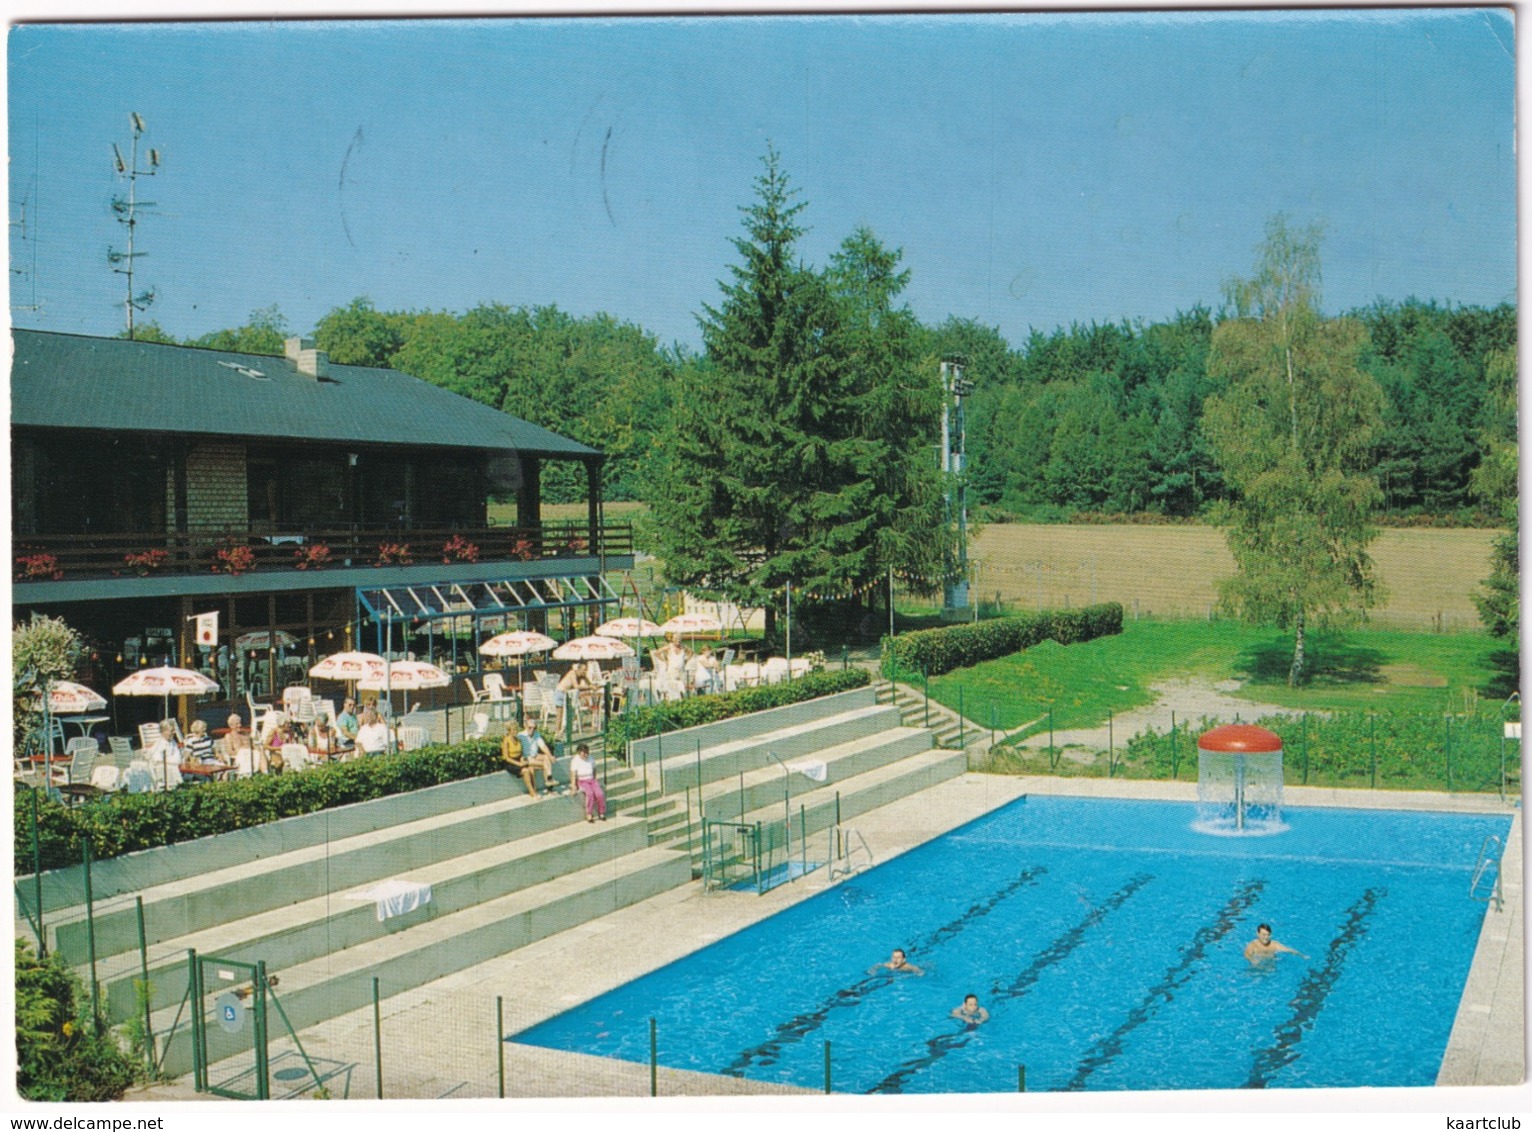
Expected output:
(934, 651)
(697, 710)
(126, 823)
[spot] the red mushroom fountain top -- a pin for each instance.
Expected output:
(1240, 739)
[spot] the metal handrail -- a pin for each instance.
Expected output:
(1495, 895)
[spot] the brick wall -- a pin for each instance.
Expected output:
(216, 491)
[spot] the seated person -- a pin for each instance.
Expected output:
(709, 676)
(574, 682)
(324, 741)
(239, 752)
(199, 745)
(372, 736)
(273, 735)
(517, 764)
(346, 723)
(164, 756)
(535, 750)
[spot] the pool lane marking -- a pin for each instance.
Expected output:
(1312, 993)
(1108, 1048)
(800, 1026)
(943, 1044)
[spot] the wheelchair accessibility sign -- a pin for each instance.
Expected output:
(231, 1012)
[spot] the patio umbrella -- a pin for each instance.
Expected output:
(629, 627)
(405, 676)
(520, 643)
(349, 666)
(690, 624)
(65, 697)
(165, 682)
(592, 648)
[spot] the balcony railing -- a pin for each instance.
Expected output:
(46, 557)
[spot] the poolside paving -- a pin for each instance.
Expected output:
(439, 1040)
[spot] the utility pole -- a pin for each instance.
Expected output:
(127, 215)
(955, 388)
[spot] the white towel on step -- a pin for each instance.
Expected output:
(394, 897)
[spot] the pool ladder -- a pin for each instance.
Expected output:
(1489, 861)
(849, 852)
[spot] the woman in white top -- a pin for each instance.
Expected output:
(582, 772)
(372, 736)
(164, 757)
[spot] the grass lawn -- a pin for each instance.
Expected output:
(1364, 669)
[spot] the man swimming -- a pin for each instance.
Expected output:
(1263, 948)
(897, 963)
(970, 1012)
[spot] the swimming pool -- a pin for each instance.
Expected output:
(1105, 938)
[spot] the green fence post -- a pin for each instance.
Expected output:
(1448, 720)
(1175, 750)
(1111, 749)
(500, 1040)
(827, 1066)
(992, 725)
(845, 657)
(925, 688)
(143, 966)
(1021, 1078)
(90, 941)
(377, 1035)
(262, 1031)
(37, 878)
(837, 807)
(654, 1062)
(194, 989)
(1305, 748)
(1052, 758)
(962, 722)
(1372, 730)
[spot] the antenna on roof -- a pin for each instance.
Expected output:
(29, 241)
(127, 215)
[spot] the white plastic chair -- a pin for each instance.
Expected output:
(106, 777)
(774, 671)
(148, 735)
(547, 685)
(480, 725)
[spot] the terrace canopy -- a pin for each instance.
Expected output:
(472, 600)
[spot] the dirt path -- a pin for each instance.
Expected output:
(1190, 700)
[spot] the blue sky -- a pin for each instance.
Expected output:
(1035, 169)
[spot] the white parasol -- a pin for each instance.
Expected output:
(405, 676)
(688, 624)
(349, 666)
(165, 682)
(520, 643)
(592, 648)
(629, 627)
(65, 697)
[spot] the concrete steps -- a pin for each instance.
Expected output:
(302, 931)
(341, 981)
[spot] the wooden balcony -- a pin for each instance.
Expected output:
(43, 558)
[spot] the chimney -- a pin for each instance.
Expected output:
(310, 362)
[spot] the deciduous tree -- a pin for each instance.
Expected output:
(1291, 426)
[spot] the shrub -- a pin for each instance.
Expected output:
(641, 722)
(934, 651)
(59, 1055)
(42, 649)
(127, 823)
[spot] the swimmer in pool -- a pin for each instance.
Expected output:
(898, 964)
(970, 1012)
(1264, 949)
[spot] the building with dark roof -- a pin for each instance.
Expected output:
(336, 506)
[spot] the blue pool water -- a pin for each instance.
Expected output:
(1105, 938)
